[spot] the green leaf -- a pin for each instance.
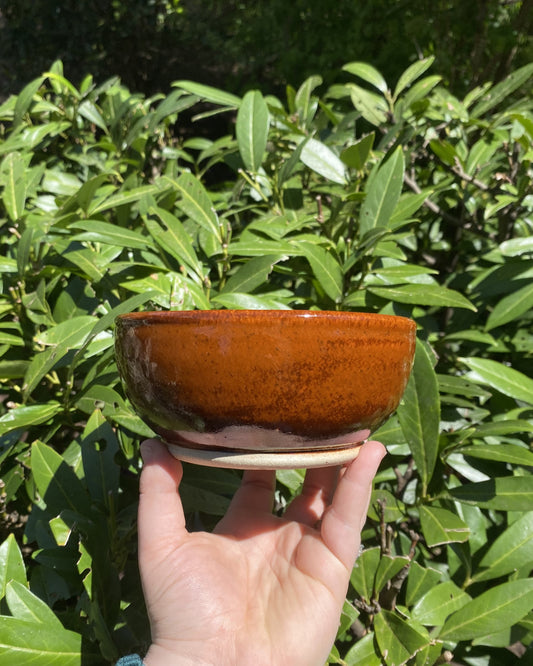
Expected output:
(507, 493)
(70, 333)
(174, 239)
(32, 136)
(170, 105)
(24, 100)
(85, 263)
(318, 157)
(25, 417)
(402, 273)
(326, 269)
(492, 611)
(59, 83)
(362, 653)
(237, 301)
(368, 73)
(382, 194)
(99, 447)
(424, 294)
(196, 204)
(398, 639)
(387, 568)
(507, 380)
(13, 172)
(444, 150)
(133, 423)
(39, 366)
(252, 129)
(111, 234)
(406, 207)
(12, 566)
(429, 654)
(122, 198)
(89, 111)
(517, 246)
(60, 183)
(412, 73)
(440, 526)
(291, 478)
(384, 503)
(355, 156)
(438, 603)
(83, 197)
(24, 251)
(512, 550)
(303, 100)
(7, 265)
(419, 415)
(26, 643)
(251, 245)
(56, 482)
(419, 91)
(108, 319)
(511, 307)
(209, 93)
(24, 605)
(364, 571)
(165, 291)
(419, 581)
(290, 164)
(254, 273)
(373, 108)
(507, 453)
(460, 386)
(501, 91)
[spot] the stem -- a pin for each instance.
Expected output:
(253, 185)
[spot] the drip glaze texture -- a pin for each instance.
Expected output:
(264, 379)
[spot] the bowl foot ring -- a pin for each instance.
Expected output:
(265, 460)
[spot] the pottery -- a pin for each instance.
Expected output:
(264, 388)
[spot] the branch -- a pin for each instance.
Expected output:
(403, 479)
(458, 171)
(388, 596)
(413, 185)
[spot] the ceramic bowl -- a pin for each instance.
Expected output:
(264, 382)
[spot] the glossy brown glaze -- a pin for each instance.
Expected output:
(264, 379)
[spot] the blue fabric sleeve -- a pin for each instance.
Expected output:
(130, 660)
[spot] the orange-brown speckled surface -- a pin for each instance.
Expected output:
(310, 375)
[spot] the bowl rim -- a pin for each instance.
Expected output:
(151, 317)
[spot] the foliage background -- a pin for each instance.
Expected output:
(354, 190)
(240, 44)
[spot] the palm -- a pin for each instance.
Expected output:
(258, 588)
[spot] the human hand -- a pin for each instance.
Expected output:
(260, 590)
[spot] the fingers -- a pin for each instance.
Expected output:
(257, 490)
(255, 496)
(344, 519)
(161, 522)
(316, 495)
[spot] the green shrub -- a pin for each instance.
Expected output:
(396, 199)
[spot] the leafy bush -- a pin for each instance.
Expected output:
(396, 199)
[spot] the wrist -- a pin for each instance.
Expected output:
(159, 655)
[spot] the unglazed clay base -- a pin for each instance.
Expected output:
(261, 460)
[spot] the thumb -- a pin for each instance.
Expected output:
(343, 521)
(161, 522)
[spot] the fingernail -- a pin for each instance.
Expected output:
(148, 450)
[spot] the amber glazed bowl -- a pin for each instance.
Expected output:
(264, 388)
